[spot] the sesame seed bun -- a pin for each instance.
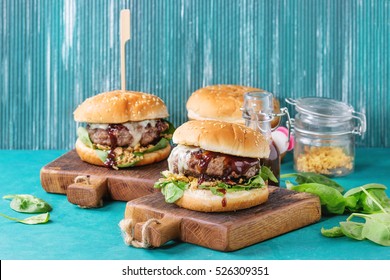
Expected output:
(223, 137)
(119, 107)
(223, 103)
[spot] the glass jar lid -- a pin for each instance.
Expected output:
(324, 107)
(325, 116)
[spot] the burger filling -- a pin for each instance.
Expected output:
(195, 168)
(211, 166)
(127, 134)
(123, 145)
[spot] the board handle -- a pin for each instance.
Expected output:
(155, 233)
(87, 192)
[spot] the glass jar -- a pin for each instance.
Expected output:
(258, 115)
(325, 132)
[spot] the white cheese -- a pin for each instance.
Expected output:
(136, 129)
(98, 125)
(181, 154)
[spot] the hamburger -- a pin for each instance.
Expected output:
(216, 167)
(222, 103)
(124, 129)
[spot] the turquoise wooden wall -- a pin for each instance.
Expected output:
(54, 54)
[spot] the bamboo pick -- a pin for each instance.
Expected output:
(124, 37)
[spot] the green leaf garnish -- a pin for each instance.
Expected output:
(33, 220)
(27, 203)
(83, 135)
(172, 190)
(311, 177)
(102, 154)
(369, 198)
(332, 232)
(160, 145)
(375, 228)
(266, 174)
(169, 131)
(369, 202)
(331, 199)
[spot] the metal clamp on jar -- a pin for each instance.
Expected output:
(324, 131)
(258, 115)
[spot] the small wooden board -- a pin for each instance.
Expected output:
(284, 211)
(123, 184)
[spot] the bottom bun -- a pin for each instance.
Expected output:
(205, 201)
(89, 155)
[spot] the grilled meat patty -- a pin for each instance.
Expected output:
(196, 162)
(127, 134)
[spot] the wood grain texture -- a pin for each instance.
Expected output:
(167, 228)
(88, 194)
(55, 54)
(123, 184)
(283, 212)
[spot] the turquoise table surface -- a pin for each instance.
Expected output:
(78, 234)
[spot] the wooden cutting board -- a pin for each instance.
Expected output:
(284, 211)
(125, 184)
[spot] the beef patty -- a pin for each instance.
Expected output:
(197, 162)
(128, 134)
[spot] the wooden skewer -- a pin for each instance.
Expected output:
(124, 37)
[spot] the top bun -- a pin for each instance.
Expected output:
(222, 137)
(119, 107)
(223, 103)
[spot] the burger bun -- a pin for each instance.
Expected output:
(119, 107)
(223, 137)
(206, 201)
(223, 103)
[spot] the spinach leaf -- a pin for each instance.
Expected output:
(169, 131)
(257, 181)
(311, 177)
(366, 187)
(83, 135)
(376, 228)
(102, 154)
(159, 185)
(33, 220)
(215, 191)
(266, 174)
(352, 230)
(239, 188)
(173, 190)
(350, 202)
(160, 145)
(370, 198)
(331, 199)
(332, 232)
(27, 203)
(368, 201)
(129, 164)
